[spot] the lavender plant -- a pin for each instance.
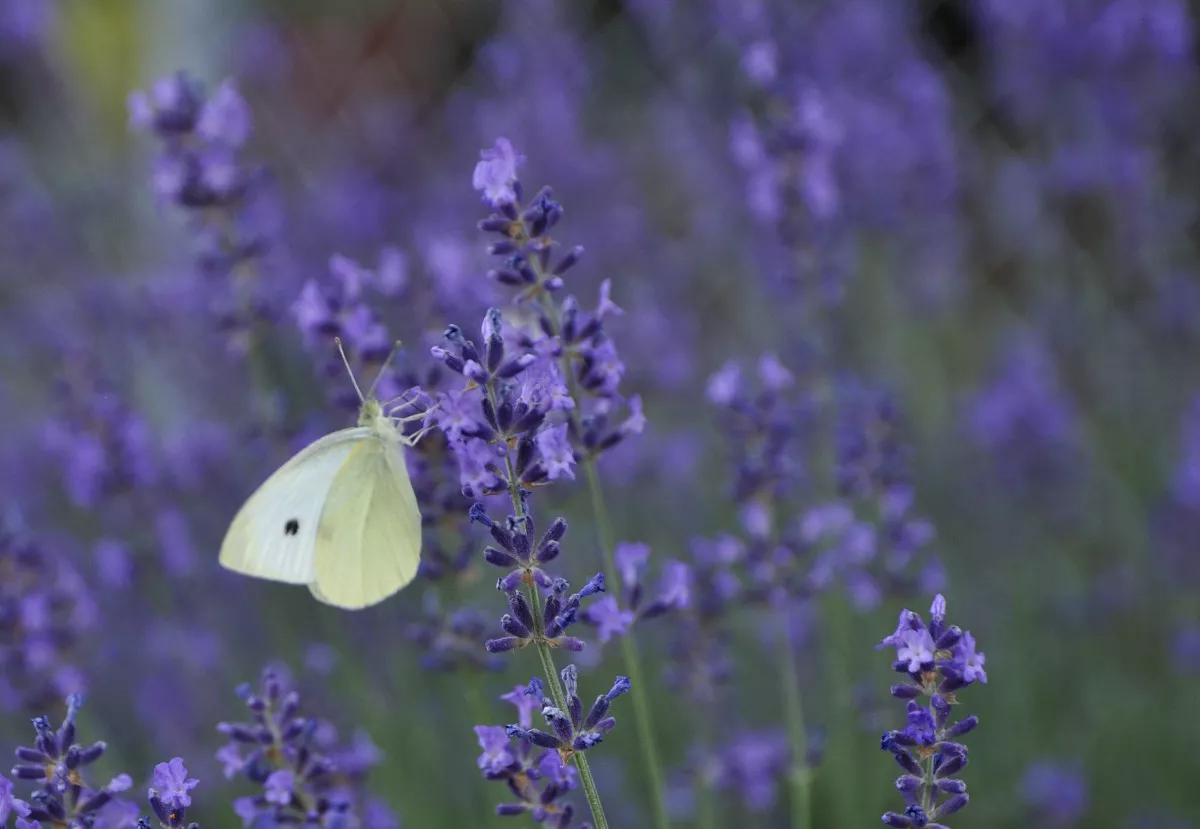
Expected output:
(304, 777)
(582, 370)
(940, 660)
(493, 425)
(199, 170)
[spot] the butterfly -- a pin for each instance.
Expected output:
(341, 516)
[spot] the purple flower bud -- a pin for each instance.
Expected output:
(515, 366)
(953, 804)
(505, 643)
(568, 261)
(949, 766)
(499, 558)
(952, 786)
(474, 372)
(452, 361)
(25, 772)
(949, 638)
(896, 820)
(513, 627)
(963, 726)
(585, 741)
(594, 585)
(620, 686)
(907, 762)
(541, 738)
(548, 551)
(905, 691)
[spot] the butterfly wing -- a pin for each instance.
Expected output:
(274, 534)
(369, 541)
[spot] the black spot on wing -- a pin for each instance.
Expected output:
(291, 527)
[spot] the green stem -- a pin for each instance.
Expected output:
(706, 801)
(630, 657)
(632, 660)
(799, 775)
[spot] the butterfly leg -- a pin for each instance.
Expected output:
(412, 440)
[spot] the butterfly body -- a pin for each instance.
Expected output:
(341, 517)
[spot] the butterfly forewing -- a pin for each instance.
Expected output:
(274, 535)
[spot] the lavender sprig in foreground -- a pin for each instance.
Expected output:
(56, 762)
(497, 426)
(581, 355)
(940, 661)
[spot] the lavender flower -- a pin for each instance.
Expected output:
(170, 795)
(56, 762)
(539, 780)
(102, 444)
(1056, 793)
(615, 618)
(572, 733)
(518, 552)
(340, 309)
(199, 170)
(940, 661)
(304, 777)
(44, 604)
(576, 352)
(1024, 420)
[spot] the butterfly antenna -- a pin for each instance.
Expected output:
(383, 368)
(349, 370)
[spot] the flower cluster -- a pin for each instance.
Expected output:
(503, 405)
(1025, 421)
(608, 615)
(339, 308)
(199, 170)
(518, 552)
(870, 538)
(303, 778)
(44, 603)
(940, 660)
(450, 638)
(572, 343)
(538, 780)
(572, 732)
(102, 444)
(56, 762)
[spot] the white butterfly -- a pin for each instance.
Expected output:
(340, 516)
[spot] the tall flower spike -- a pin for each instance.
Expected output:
(198, 169)
(940, 660)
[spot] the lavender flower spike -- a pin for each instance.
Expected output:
(940, 660)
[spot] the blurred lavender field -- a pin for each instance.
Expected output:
(837, 311)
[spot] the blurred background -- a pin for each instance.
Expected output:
(910, 298)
